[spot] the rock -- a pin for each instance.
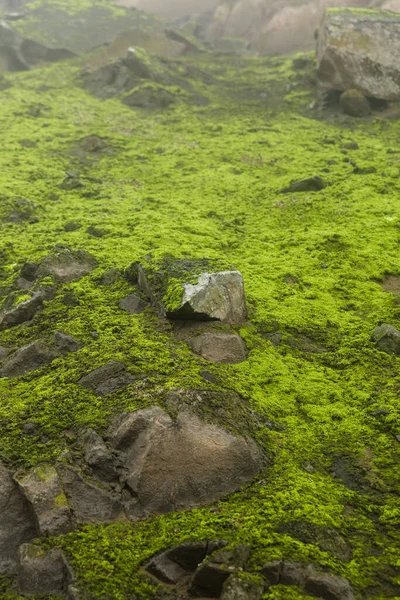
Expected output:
(16, 525)
(29, 271)
(71, 182)
(220, 347)
(311, 184)
(242, 588)
(174, 466)
(4, 352)
(360, 50)
(215, 297)
(23, 312)
(92, 144)
(67, 265)
(387, 339)
(99, 457)
(42, 488)
(107, 379)
(328, 587)
(11, 48)
(133, 304)
(89, 503)
(293, 573)
(110, 277)
(355, 104)
(211, 575)
(272, 572)
(42, 572)
(190, 554)
(167, 570)
(151, 97)
(38, 354)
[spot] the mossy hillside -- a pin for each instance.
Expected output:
(201, 182)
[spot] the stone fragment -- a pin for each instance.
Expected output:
(328, 587)
(67, 265)
(166, 570)
(38, 354)
(241, 588)
(133, 304)
(150, 96)
(107, 379)
(89, 503)
(293, 573)
(355, 104)
(99, 457)
(42, 572)
(360, 50)
(387, 339)
(4, 352)
(311, 184)
(42, 488)
(220, 347)
(16, 524)
(209, 579)
(272, 571)
(174, 466)
(29, 271)
(189, 554)
(23, 312)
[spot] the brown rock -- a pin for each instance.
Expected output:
(220, 347)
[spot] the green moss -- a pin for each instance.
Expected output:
(199, 183)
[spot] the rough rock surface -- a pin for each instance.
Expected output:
(197, 463)
(107, 379)
(42, 572)
(42, 488)
(220, 347)
(239, 588)
(98, 457)
(387, 339)
(38, 354)
(209, 579)
(360, 50)
(25, 311)
(67, 265)
(16, 525)
(133, 304)
(355, 104)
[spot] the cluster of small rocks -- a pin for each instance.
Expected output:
(211, 570)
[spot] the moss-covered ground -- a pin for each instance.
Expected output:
(201, 182)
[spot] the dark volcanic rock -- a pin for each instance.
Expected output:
(311, 184)
(133, 304)
(328, 587)
(355, 104)
(272, 571)
(387, 339)
(89, 503)
(42, 572)
(197, 463)
(107, 379)
(38, 354)
(16, 524)
(21, 313)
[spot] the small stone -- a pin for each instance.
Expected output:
(189, 555)
(110, 277)
(209, 377)
(99, 457)
(293, 574)
(166, 570)
(311, 184)
(351, 146)
(355, 104)
(29, 271)
(387, 339)
(30, 429)
(208, 580)
(66, 343)
(72, 226)
(328, 587)
(107, 379)
(133, 304)
(42, 572)
(67, 265)
(220, 347)
(98, 232)
(43, 490)
(92, 144)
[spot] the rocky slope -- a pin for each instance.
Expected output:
(199, 333)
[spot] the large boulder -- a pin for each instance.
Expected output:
(361, 50)
(42, 572)
(16, 524)
(178, 465)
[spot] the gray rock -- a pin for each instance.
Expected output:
(189, 554)
(293, 573)
(29, 271)
(42, 572)
(220, 347)
(38, 354)
(211, 575)
(328, 587)
(42, 488)
(107, 379)
(360, 50)
(4, 352)
(272, 571)
(150, 96)
(174, 466)
(133, 304)
(387, 339)
(99, 457)
(241, 588)
(67, 265)
(16, 524)
(355, 104)
(311, 184)
(167, 570)
(89, 503)
(23, 312)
